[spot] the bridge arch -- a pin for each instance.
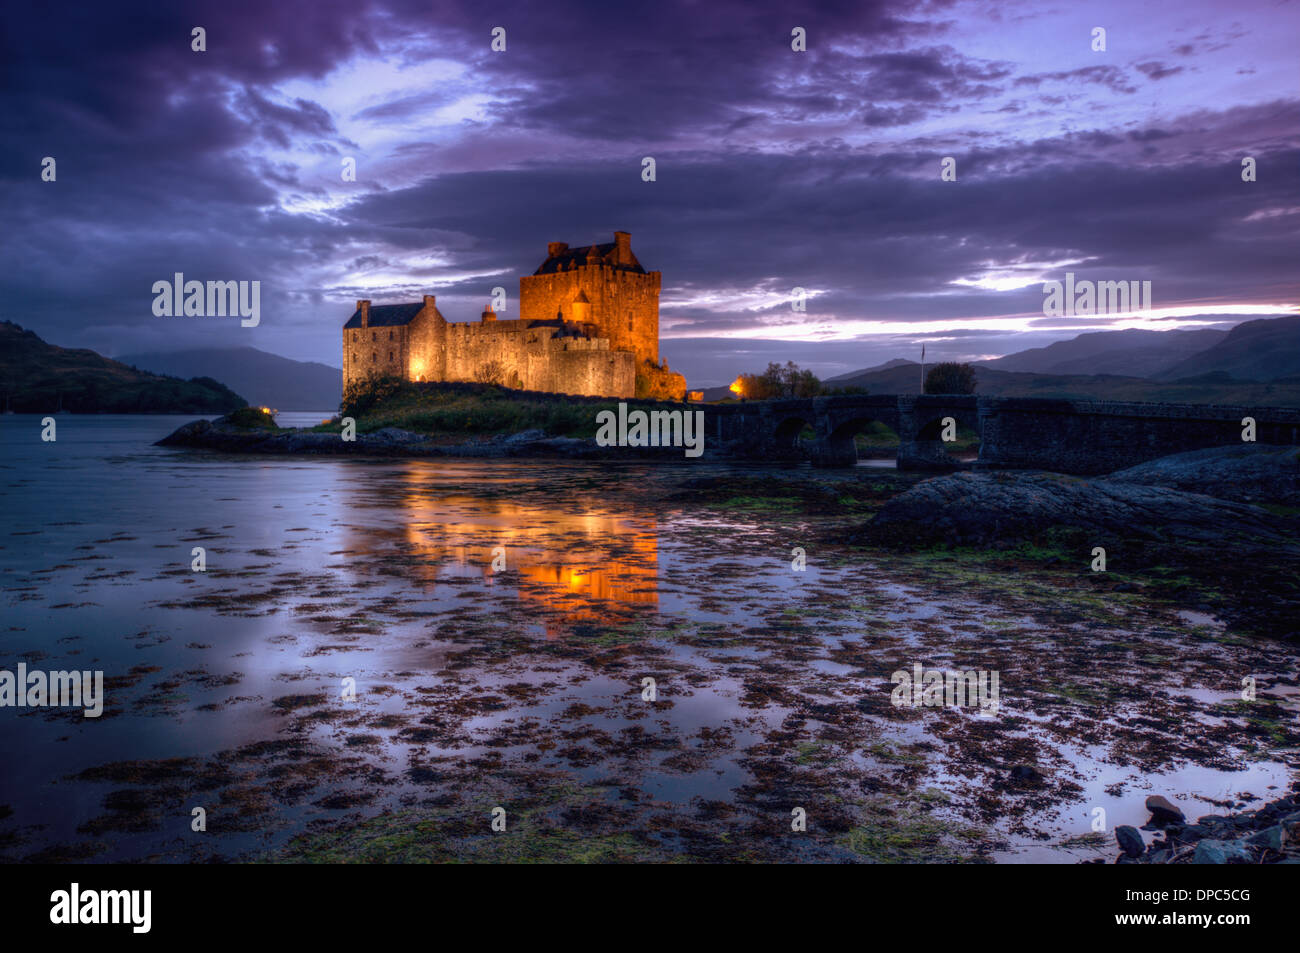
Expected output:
(786, 433)
(882, 440)
(927, 450)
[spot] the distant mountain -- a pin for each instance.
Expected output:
(896, 362)
(1217, 388)
(1130, 353)
(1264, 350)
(268, 380)
(37, 378)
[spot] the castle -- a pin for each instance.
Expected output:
(588, 324)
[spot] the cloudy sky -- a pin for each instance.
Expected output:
(776, 169)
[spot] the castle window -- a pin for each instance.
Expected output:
(390, 357)
(373, 357)
(390, 335)
(374, 335)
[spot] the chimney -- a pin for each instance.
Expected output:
(555, 249)
(488, 314)
(430, 302)
(364, 308)
(623, 249)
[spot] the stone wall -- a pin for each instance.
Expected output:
(1094, 437)
(536, 359)
(1065, 436)
(370, 352)
(624, 304)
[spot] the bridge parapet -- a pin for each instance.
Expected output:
(1069, 436)
(1094, 437)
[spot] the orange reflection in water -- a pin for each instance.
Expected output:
(586, 567)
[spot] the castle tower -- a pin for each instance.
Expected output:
(621, 297)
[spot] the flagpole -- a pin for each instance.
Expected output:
(922, 368)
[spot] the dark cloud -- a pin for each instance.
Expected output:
(1154, 70)
(171, 160)
(1111, 77)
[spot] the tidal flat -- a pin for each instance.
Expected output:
(380, 653)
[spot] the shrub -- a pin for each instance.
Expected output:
(950, 378)
(361, 396)
(251, 417)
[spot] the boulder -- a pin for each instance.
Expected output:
(990, 508)
(1212, 851)
(1164, 812)
(1270, 838)
(1130, 841)
(1245, 472)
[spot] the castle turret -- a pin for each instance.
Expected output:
(364, 308)
(623, 248)
(581, 308)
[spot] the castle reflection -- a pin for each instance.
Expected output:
(566, 567)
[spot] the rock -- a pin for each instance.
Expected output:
(1160, 857)
(1026, 772)
(985, 508)
(1130, 841)
(525, 436)
(1211, 851)
(1163, 812)
(186, 434)
(1270, 838)
(395, 435)
(1245, 472)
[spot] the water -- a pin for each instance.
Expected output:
(476, 680)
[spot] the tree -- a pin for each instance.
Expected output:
(950, 378)
(493, 372)
(777, 382)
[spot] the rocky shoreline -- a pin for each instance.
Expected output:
(394, 442)
(1269, 835)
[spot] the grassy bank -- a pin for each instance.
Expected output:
(459, 410)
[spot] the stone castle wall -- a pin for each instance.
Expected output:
(537, 359)
(624, 304)
(371, 352)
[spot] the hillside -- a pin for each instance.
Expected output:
(36, 376)
(1264, 350)
(1130, 353)
(896, 362)
(267, 380)
(1208, 389)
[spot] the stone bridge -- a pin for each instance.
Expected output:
(1067, 436)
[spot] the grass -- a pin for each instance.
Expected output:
(461, 410)
(535, 834)
(892, 833)
(469, 415)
